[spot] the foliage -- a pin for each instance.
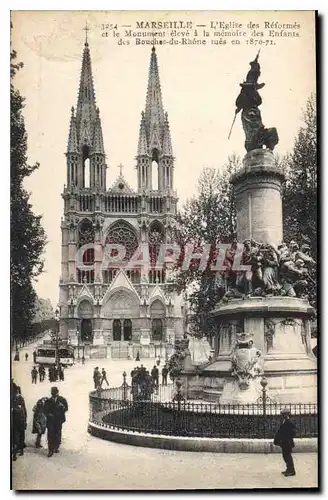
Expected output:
(43, 310)
(300, 190)
(27, 235)
(209, 218)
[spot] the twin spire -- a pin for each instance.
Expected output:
(85, 125)
(154, 127)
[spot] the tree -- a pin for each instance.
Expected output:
(209, 218)
(27, 234)
(43, 310)
(300, 190)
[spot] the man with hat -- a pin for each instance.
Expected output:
(284, 438)
(55, 409)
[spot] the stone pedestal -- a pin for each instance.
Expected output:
(258, 198)
(231, 393)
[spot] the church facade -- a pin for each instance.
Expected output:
(104, 300)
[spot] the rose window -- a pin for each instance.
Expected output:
(122, 234)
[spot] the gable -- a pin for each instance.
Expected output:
(121, 186)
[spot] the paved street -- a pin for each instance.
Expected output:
(86, 462)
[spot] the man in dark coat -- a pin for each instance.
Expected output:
(19, 416)
(55, 409)
(154, 374)
(34, 374)
(284, 438)
(97, 377)
(104, 377)
(165, 371)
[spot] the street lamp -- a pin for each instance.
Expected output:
(57, 319)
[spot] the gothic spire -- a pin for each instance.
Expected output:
(98, 142)
(86, 103)
(167, 143)
(154, 113)
(72, 146)
(142, 145)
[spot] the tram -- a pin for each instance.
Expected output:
(46, 355)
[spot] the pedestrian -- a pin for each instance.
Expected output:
(19, 422)
(40, 373)
(26, 357)
(34, 357)
(39, 421)
(83, 360)
(34, 374)
(158, 362)
(155, 374)
(55, 373)
(138, 356)
(97, 377)
(50, 376)
(284, 438)
(165, 371)
(104, 377)
(55, 408)
(16, 358)
(43, 373)
(61, 373)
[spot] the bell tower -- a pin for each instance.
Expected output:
(86, 161)
(154, 147)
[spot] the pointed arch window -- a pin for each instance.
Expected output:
(154, 170)
(117, 329)
(127, 329)
(157, 329)
(86, 166)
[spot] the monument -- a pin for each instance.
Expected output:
(266, 303)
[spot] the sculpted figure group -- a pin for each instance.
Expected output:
(273, 271)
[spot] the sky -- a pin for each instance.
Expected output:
(199, 86)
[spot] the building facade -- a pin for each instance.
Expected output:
(103, 299)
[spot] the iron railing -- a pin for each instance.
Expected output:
(167, 413)
(127, 393)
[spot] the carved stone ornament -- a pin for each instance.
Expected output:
(245, 361)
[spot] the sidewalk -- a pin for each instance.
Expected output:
(86, 462)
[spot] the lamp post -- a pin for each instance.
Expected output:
(57, 319)
(264, 384)
(124, 386)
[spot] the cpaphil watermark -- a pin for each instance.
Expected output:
(222, 257)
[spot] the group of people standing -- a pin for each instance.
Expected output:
(54, 373)
(48, 414)
(41, 371)
(99, 377)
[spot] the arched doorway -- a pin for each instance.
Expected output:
(157, 329)
(85, 313)
(157, 313)
(86, 330)
(117, 329)
(127, 329)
